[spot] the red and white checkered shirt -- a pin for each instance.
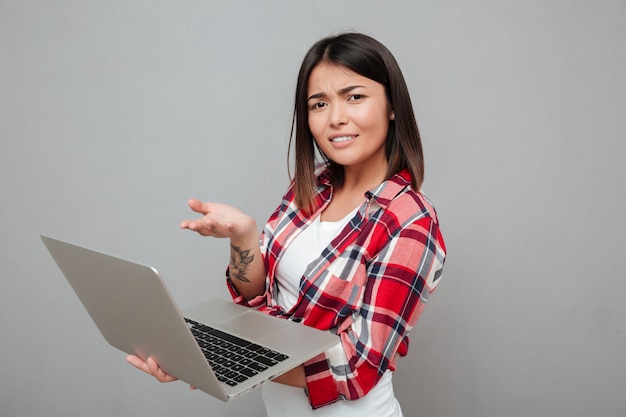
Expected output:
(369, 286)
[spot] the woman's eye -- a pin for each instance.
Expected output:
(355, 97)
(318, 105)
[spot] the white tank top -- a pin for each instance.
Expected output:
(304, 249)
(286, 401)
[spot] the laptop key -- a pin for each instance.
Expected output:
(266, 361)
(240, 378)
(254, 347)
(250, 355)
(234, 359)
(271, 354)
(257, 366)
(230, 374)
(249, 372)
(245, 361)
(229, 337)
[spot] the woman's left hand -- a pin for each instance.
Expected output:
(151, 367)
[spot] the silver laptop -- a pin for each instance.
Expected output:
(219, 347)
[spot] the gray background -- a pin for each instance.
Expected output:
(113, 114)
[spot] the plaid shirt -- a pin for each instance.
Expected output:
(369, 286)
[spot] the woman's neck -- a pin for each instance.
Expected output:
(351, 193)
(361, 179)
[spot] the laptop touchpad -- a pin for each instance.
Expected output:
(253, 325)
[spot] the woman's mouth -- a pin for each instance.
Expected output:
(339, 139)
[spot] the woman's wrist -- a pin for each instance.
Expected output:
(245, 232)
(247, 270)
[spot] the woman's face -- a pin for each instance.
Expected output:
(348, 116)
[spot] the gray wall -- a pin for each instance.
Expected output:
(113, 114)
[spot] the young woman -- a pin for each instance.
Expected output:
(354, 247)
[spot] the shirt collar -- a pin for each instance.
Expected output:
(388, 190)
(383, 193)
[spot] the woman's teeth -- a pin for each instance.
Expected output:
(342, 139)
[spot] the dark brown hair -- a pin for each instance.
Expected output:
(369, 58)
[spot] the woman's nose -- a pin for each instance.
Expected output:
(338, 115)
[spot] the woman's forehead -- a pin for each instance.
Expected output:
(335, 77)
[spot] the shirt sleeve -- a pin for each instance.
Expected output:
(257, 302)
(397, 283)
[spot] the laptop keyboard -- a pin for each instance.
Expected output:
(233, 359)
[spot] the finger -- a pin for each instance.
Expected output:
(209, 227)
(158, 373)
(188, 224)
(202, 226)
(198, 206)
(138, 363)
(155, 369)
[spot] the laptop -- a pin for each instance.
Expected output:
(222, 348)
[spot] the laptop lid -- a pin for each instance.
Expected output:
(135, 312)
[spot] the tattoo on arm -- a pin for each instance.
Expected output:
(240, 261)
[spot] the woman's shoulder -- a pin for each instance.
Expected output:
(402, 201)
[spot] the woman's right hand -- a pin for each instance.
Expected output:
(247, 270)
(220, 220)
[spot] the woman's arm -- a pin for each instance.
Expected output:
(396, 285)
(247, 270)
(294, 377)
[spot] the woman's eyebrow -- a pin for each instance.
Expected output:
(341, 92)
(350, 88)
(316, 96)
